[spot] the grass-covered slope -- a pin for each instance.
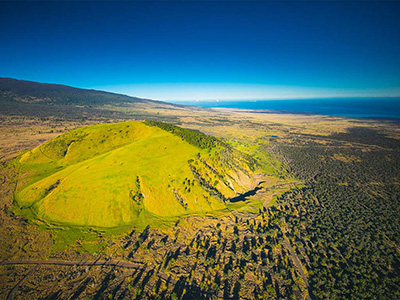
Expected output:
(129, 173)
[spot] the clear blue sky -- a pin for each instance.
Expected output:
(206, 50)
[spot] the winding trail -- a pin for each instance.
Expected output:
(11, 293)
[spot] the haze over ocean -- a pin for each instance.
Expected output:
(344, 107)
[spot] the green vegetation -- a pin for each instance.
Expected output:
(194, 138)
(128, 173)
(344, 221)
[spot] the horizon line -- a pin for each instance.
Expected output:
(210, 100)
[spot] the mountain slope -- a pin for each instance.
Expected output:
(13, 90)
(114, 174)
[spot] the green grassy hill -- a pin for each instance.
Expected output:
(130, 173)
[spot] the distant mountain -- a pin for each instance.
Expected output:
(13, 90)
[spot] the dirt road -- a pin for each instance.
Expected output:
(113, 263)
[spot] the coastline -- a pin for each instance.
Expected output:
(357, 108)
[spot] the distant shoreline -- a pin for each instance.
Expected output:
(304, 113)
(364, 108)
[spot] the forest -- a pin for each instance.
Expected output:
(344, 221)
(195, 138)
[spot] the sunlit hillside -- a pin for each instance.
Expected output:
(130, 173)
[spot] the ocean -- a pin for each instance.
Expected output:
(386, 108)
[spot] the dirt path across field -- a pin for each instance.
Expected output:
(112, 263)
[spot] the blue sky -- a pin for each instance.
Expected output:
(206, 50)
